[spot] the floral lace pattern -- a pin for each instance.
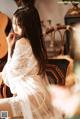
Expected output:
(20, 74)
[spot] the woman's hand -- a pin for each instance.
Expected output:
(11, 40)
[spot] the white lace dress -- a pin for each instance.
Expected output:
(20, 74)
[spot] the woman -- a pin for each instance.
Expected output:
(24, 71)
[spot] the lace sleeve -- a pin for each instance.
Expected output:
(20, 58)
(21, 64)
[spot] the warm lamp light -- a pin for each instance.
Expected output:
(75, 10)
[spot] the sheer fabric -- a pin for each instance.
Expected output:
(21, 75)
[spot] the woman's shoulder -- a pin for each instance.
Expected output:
(23, 42)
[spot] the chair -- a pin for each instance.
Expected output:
(55, 40)
(5, 91)
(56, 71)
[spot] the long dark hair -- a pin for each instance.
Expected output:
(28, 19)
(27, 2)
(8, 27)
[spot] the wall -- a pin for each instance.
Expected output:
(8, 7)
(48, 9)
(51, 9)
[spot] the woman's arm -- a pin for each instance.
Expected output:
(20, 58)
(10, 41)
(18, 66)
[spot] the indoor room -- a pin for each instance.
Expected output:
(39, 59)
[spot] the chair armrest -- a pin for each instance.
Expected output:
(56, 70)
(5, 91)
(1, 89)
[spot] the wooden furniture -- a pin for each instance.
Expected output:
(70, 19)
(56, 71)
(56, 46)
(3, 43)
(5, 27)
